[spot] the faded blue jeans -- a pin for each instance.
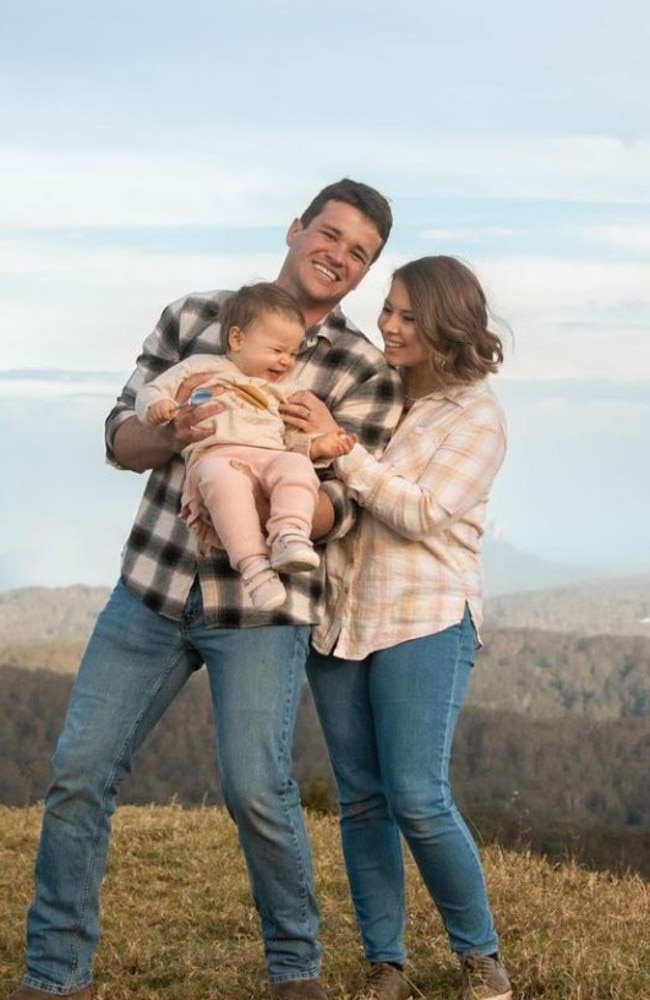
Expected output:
(389, 722)
(135, 664)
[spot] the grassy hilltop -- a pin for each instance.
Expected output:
(178, 921)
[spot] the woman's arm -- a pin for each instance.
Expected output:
(459, 473)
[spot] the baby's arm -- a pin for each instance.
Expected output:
(155, 402)
(332, 444)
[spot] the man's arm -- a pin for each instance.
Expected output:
(138, 447)
(131, 445)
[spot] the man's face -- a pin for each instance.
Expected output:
(328, 257)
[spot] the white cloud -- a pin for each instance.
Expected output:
(53, 188)
(629, 235)
(577, 168)
(223, 184)
(572, 318)
(83, 309)
(62, 389)
(572, 484)
(464, 235)
(547, 283)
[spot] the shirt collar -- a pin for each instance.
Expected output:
(460, 395)
(327, 328)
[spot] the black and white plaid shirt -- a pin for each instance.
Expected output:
(161, 557)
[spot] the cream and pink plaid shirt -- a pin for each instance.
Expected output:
(412, 561)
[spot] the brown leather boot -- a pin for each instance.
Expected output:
(27, 993)
(385, 982)
(298, 989)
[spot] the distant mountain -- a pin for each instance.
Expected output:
(54, 613)
(47, 627)
(509, 570)
(615, 606)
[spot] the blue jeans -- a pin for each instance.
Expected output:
(135, 664)
(389, 721)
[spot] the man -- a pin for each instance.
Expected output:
(176, 608)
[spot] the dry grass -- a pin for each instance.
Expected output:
(178, 921)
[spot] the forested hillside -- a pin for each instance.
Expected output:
(535, 672)
(39, 617)
(542, 674)
(551, 751)
(521, 781)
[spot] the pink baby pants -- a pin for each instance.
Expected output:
(223, 483)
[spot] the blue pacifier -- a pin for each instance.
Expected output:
(198, 396)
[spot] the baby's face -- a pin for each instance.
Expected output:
(267, 347)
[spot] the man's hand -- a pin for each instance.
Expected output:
(308, 413)
(184, 424)
(140, 447)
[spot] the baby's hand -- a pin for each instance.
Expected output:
(333, 444)
(161, 411)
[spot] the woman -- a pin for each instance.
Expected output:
(395, 650)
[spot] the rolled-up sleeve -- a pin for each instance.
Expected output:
(160, 350)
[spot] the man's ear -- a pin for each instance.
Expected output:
(235, 338)
(295, 228)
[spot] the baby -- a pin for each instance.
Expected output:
(250, 450)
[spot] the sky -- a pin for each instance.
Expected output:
(152, 149)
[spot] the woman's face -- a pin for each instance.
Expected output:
(403, 346)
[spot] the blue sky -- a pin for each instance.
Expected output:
(149, 149)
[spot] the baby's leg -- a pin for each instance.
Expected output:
(292, 485)
(227, 493)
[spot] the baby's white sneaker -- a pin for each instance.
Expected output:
(293, 553)
(263, 585)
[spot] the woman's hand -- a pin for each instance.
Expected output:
(308, 413)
